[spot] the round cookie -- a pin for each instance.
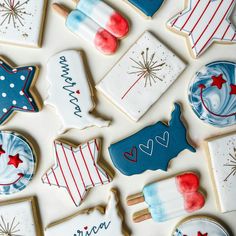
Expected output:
(212, 93)
(17, 162)
(200, 226)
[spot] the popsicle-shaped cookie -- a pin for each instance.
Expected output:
(84, 27)
(169, 198)
(105, 16)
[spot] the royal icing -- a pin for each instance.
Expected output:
(70, 91)
(152, 147)
(19, 217)
(105, 16)
(212, 93)
(76, 169)
(143, 74)
(21, 22)
(205, 22)
(147, 7)
(15, 89)
(17, 162)
(222, 154)
(200, 226)
(91, 222)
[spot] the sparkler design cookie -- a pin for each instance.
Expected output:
(205, 22)
(17, 163)
(143, 74)
(151, 148)
(21, 22)
(222, 164)
(77, 169)
(212, 93)
(16, 89)
(94, 221)
(70, 91)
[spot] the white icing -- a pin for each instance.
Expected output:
(75, 114)
(223, 155)
(144, 93)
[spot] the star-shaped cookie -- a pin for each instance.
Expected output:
(205, 22)
(16, 89)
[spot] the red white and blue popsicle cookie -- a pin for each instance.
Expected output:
(16, 89)
(205, 22)
(77, 169)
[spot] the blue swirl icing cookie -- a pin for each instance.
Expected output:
(212, 93)
(17, 163)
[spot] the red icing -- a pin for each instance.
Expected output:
(233, 89)
(118, 25)
(193, 201)
(200, 234)
(78, 92)
(1, 150)
(105, 42)
(218, 81)
(132, 155)
(187, 183)
(15, 160)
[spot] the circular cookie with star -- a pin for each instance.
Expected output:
(212, 93)
(17, 162)
(200, 226)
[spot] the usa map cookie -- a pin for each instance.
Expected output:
(212, 93)
(21, 22)
(70, 91)
(77, 169)
(94, 221)
(222, 165)
(16, 86)
(204, 22)
(200, 226)
(17, 162)
(141, 76)
(151, 148)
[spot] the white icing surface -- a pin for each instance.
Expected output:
(223, 160)
(75, 102)
(130, 91)
(27, 19)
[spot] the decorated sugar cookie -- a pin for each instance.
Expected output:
(169, 198)
(70, 91)
(212, 93)
(76, 169)
(200, 226)
(151, 148)
(94, 221)
(222, 160)
(16, 89)
(20, 217)
(17, 162)
(141, 76)
(21, 22)
(148, 8)
(204, 22)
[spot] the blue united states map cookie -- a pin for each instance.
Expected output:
(16, 89)
(151, 148)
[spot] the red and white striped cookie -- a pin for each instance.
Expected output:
(76, 169)
(205, 22)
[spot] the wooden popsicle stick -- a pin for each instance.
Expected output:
(135, 199)
(142, 216)
(60, 9)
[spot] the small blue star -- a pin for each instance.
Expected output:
(15, 86)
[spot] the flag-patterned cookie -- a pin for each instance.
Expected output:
(76, 169)
(205, 22)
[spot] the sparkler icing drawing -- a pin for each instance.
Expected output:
(13, 11)
(232, 164)
(9, 228)
(146, 69)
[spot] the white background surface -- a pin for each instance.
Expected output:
(43, 127)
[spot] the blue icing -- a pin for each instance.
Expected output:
(74, 19)
(152, 147)
(87, 6)
(15, 178)
(12, 82)
(214, 105)
(148, 7)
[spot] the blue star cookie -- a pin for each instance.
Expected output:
(15, 89)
